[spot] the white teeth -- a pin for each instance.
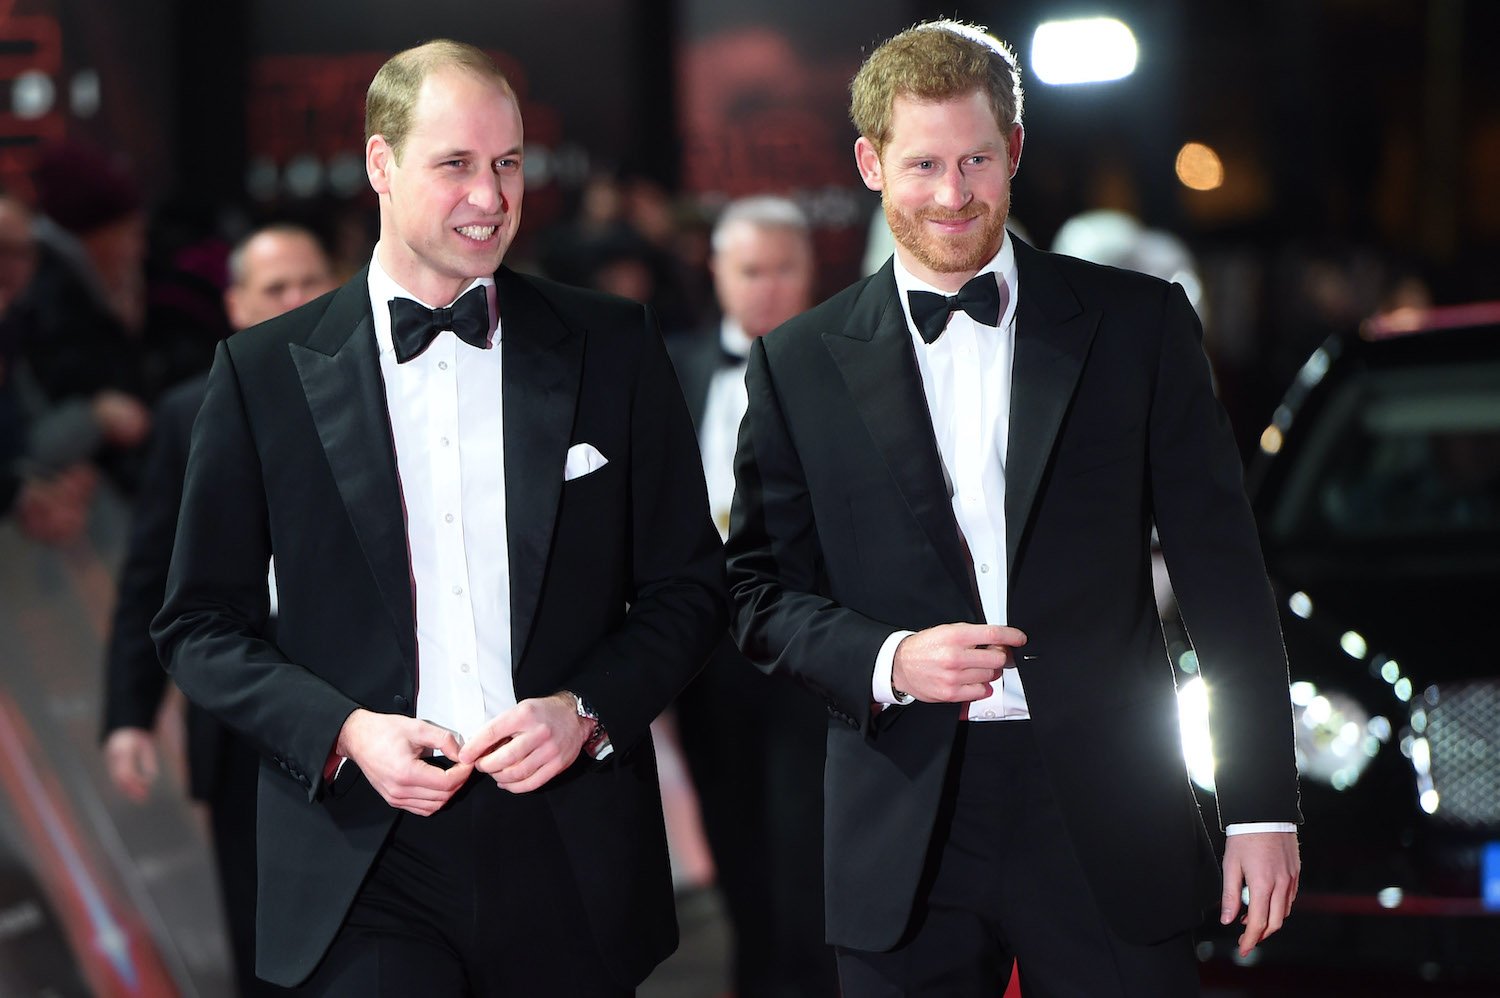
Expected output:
(477, 231)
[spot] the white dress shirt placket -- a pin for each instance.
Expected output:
(449, 607)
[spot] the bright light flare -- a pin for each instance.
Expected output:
(1083, 50)
(1197, 746)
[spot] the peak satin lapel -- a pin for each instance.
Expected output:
(340, 373)
(1053, 335)
(881, 373)
(542, 366)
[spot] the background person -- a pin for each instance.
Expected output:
(755, 744)
(271, 271)
(47, 447)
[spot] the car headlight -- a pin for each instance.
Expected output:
(1335, 736)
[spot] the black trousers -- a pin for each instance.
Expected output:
(1003, 883)
(476, 900)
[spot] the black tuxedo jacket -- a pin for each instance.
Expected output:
(616, 582)
(843, 532)
(134, 682)
(696, 357)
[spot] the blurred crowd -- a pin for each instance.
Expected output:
(104, 306)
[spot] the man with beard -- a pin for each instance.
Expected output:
(946, 483)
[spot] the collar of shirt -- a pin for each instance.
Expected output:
(733, 339)
(1003, 264)
(383, 288)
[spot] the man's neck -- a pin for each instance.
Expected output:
(433, 290)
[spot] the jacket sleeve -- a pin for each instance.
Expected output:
(783, 618)
(1212, 550)
(211, 630)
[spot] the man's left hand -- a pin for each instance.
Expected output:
(528, 745)
(1267, 863)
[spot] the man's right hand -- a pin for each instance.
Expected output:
(130, 756)
(954, 663)
(388, 750)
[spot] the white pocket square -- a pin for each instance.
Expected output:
(582, 459)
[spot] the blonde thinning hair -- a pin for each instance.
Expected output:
(392, 97)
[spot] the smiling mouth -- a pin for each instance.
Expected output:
(960, 220)
(478, 233)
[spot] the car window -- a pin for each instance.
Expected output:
(1410, 453)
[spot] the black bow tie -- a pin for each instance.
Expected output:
(414, 326)
(983, 298)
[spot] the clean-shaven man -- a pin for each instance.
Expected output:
(494, 567)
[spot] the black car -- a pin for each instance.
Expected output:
(1377, 493)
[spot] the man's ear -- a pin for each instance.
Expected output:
(868, 161)
(379, 158)
(1013, 147)
(232, 307)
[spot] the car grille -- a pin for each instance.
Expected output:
(1456, 753)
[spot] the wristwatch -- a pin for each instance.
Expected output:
(596, 746)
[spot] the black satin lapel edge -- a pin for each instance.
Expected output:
(346, 396)
(881, 374)
(1048, 361)
(541, 372)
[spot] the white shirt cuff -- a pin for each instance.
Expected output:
(880, 683)
(1246, 827)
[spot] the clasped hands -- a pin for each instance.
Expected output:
(521, 749)
(954, 663)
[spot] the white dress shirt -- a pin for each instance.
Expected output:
(966, 378)
(447, 423)
(719, 429)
